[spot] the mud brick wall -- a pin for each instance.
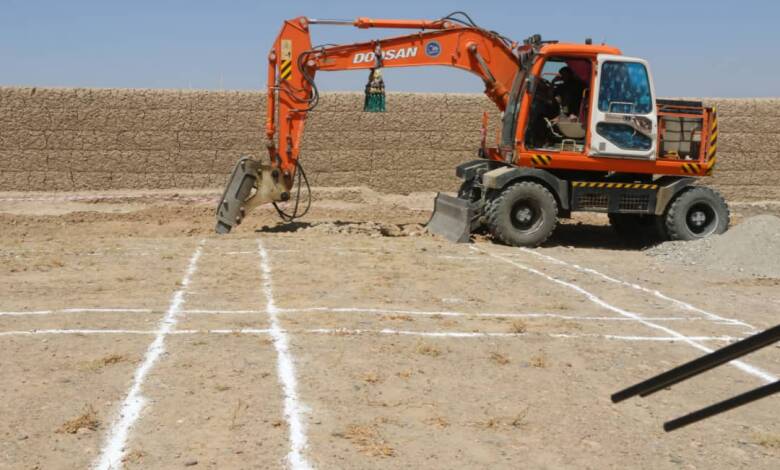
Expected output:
(99, 139)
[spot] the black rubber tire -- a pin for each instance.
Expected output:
(525, 199)
(683, 217)
(639, 228)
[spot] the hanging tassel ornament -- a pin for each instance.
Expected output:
(375, 93)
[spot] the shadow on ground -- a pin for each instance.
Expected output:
(578, 235)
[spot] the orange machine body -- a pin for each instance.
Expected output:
(293, 64)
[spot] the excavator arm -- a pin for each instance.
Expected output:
(292, 92)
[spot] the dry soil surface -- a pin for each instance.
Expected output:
(353, 337)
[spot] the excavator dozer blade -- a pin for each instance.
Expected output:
(452, 218)
(230, 210)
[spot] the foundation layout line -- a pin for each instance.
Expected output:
(741, 365)
(285, 367)
(366, 310)
(656, 293)
(77, 310)
(385, 331)
(380, 311)
(111, 454)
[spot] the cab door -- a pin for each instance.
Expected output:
(624, 122)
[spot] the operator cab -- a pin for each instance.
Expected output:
(601, 107)
(559, 110)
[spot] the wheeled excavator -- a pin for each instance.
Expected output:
(581, 130)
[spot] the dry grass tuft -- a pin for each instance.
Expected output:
(559, 306)
(518, 327)
(368, 440)
(520, 419)
(491, 423)
(405, 374)
(372, 378)
(499, 358)
(539, 361)
(495, 422)
(770, 441)
(87, 420)
(400, 317)
(134, 456)
(437, 421)
(428, 350)
(103, 362)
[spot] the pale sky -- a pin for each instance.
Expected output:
(696, 48)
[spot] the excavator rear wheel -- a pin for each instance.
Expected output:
(697, 213)
(523, 214)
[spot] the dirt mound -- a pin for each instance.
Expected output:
(372, 229)
(751, 248)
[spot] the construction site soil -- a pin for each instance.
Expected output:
(353, 339)
(752, 248)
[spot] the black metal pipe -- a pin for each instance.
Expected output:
(725, 405)
(702, 364)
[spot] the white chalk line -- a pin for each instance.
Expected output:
(285, 368)
(100, 197)
(77, 310)
(744, 367)
(351, 331)
(364, 310)
(449, 313)
(112, 452)
(656, 293)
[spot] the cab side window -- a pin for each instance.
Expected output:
(625, 89)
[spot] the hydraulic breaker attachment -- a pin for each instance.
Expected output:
(453, 218)
(251, 184)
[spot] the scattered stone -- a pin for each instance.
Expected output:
(750, 248)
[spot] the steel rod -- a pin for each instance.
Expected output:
(702, 364)
(327, 21)
(725, 405)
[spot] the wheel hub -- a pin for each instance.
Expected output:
(698, 218)
(524, 215)
(701, 219)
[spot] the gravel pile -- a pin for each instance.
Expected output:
(751, 248)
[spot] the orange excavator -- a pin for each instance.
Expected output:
(581, 130)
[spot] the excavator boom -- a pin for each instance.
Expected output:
(292, 91)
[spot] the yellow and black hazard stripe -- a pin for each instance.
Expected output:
(710, 164)
(605, 185)
(285, 70)
(692, 168)
(712, 148)
(541, 160)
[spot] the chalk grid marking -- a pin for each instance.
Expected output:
(654, 292)
(741, 365)
(356, 310)
(114, 449)
(351, 331)
(294, 409)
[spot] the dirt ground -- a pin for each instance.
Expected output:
(407, 350)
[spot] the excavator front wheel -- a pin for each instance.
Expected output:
(522, 214)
